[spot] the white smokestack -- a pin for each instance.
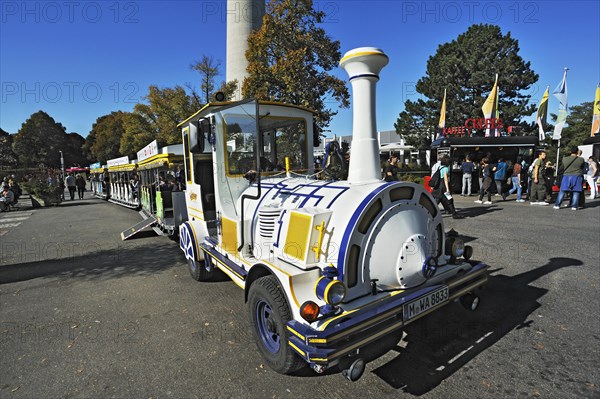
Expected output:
(363, 65)
(243, 16)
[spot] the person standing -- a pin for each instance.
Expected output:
(70, 180)
(591, 177)
(516, 182)
(80, 183)
(538, 184)
(500, 176)
(442, 192)
(467, 176)
(549, 179)
(391, 169)
(487, 182)
(572, 180)
(584, 171)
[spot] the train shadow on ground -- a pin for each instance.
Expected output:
(118, 262)
(441, 344)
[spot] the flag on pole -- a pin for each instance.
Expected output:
(542, 114)
(561, 95)
(596, 118)
(490, 108)
(442, 123)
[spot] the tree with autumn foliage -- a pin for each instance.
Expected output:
(466, 68)
(289, 59)
(158, 119)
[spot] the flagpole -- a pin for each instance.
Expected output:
(558, 149)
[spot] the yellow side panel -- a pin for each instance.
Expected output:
(298, 235)
(229, 236)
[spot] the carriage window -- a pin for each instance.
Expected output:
(284, 137)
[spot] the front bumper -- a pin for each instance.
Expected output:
(358, 328)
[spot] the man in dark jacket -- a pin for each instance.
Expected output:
(572, 180)
(391, 169)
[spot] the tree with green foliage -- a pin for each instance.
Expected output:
(104, 139)
(577, 129)
(74, 151)
(9, 158)
(289, 59)
(209, 70)
(39, 141)
(466, 68)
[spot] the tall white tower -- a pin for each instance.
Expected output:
(243, 16)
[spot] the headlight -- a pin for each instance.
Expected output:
(455, 246)
(331, 291)
(458, 248)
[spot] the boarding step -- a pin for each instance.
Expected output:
(130, 232)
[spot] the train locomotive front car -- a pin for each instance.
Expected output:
(328, 267)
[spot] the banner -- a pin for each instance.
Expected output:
(542, 115)
(596, 117)
(490, 108)
(561, 95)
(148, 151)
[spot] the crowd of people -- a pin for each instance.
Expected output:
(11, 191)
(534, 182)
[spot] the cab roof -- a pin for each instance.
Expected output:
(226, 103)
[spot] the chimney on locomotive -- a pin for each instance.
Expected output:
(363, 66)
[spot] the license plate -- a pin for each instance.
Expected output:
(424, 303)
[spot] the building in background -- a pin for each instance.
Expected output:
(389, 142)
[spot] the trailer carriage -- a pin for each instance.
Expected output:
(122, 187)
(164, 202)
(97, 183)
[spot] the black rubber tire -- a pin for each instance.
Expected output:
(198, 271)
(268, 289)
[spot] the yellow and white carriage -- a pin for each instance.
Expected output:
(122, 174)
(160, 188)
(97, 177)
(328, 267)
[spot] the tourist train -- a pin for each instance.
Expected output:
(328, 267)
(137, 184)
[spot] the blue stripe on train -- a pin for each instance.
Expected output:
(350, 227)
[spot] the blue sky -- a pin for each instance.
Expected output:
(83, 59)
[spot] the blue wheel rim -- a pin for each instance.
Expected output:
(192, 264)
(267, 328)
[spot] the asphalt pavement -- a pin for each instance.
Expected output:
(84, 314)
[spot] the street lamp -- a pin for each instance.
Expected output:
(62, 165)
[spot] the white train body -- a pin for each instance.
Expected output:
(369, 256)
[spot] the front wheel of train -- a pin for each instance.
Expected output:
(269, 314)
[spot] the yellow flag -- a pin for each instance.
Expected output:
(490, 107)
(442, 123)
(542, 115)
